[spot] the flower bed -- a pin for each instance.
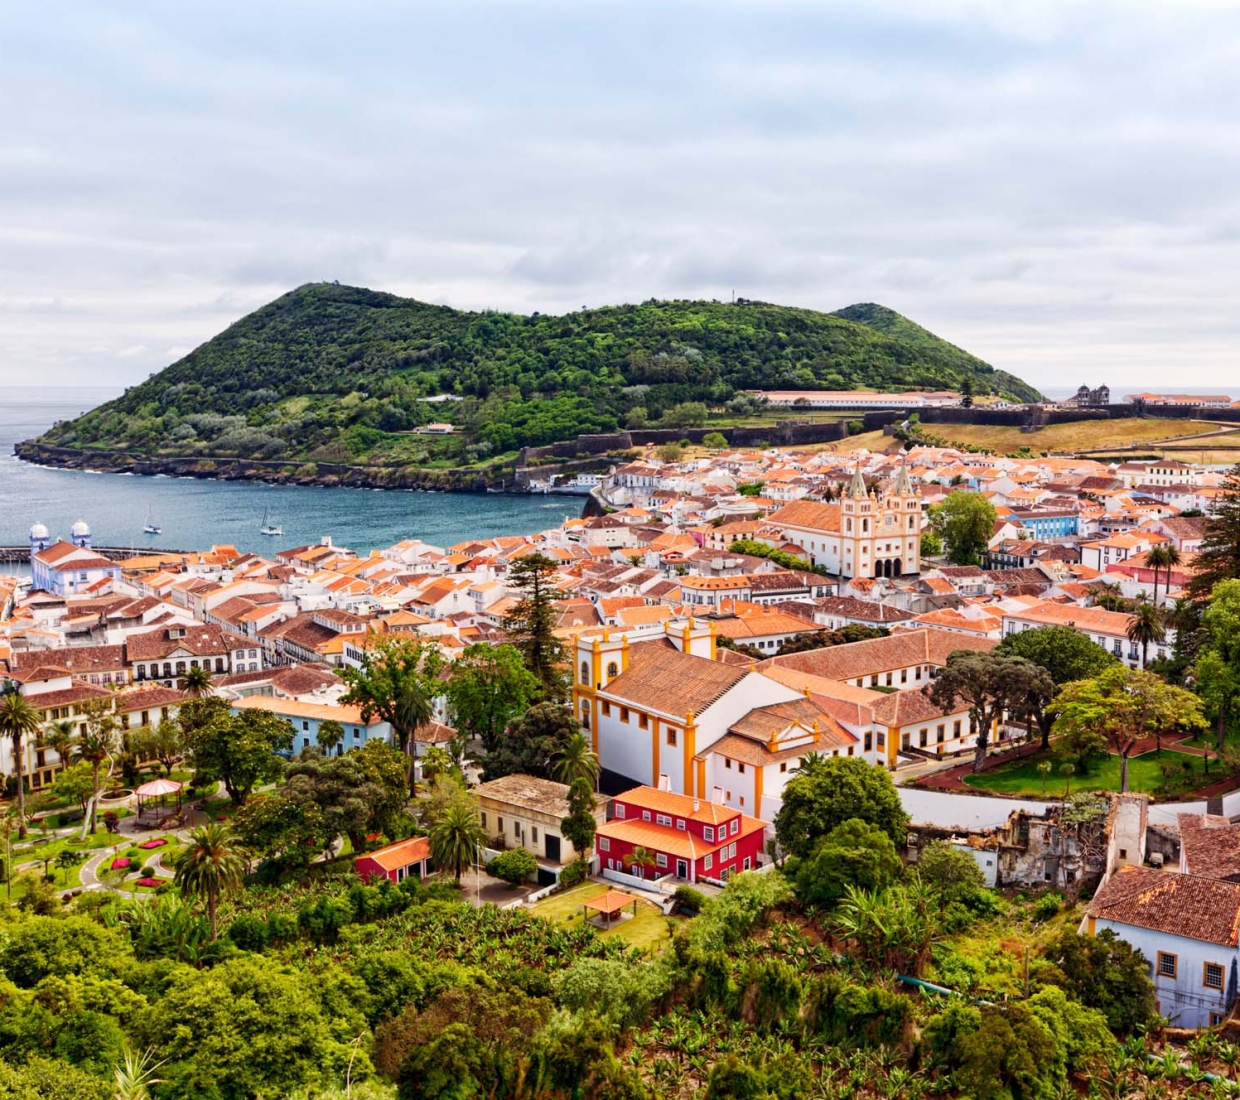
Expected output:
(154, 883)
(158, 843)
(120, 863)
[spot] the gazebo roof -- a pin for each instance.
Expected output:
(157, 787)
(614, 901)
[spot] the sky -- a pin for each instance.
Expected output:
(1051, 186)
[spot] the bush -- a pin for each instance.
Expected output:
(854, 853)
(716, 441)
(514, 867)
(1048, 906)
(574, 873)
(688, 900)
(250, 933)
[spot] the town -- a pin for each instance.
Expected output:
(621, 716)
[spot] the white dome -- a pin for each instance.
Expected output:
(81, 528)
(38, 531)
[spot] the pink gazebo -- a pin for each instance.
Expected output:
(156, 792)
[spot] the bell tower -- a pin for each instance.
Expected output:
(858, 516)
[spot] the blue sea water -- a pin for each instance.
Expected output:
(194, 514)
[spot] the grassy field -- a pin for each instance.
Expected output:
(1069, 438)
(649, 930)
(1145, 773)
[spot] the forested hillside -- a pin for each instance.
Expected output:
(339, 372)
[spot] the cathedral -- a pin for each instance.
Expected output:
(866, 534)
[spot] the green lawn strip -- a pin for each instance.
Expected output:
(649, 929)
(1145, 773)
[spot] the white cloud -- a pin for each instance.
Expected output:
(1047, 183)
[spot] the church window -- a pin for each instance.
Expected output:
(613, 670)
(585, 672)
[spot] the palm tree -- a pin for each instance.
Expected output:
(1156, 558)
(19, 720)
(1044, 769)
(211, 866)
(1066, 770)
(95, 745)
(197, 681)
(330, 734)
(641, 858)
(1146, 626)
(576, 760)
(457, 836)
(59, 737)
(135, 1075)
(1171, 558)
(413, 710)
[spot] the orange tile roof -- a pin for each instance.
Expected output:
(413, 849)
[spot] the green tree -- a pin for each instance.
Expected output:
(488, 687)
(245, 1028)
(530, 747)
(967, 524)
(1219, 557)
(574, 759)
(640, 861)
(854, 853)
(531, 623)
(18, 721)
(197, 681)
(211, 866)
(966, 394)
(715, 441)
(688, 414)
(952, 874)
(59, 737)
(284, 827)
(671, 452)
(1065, 653)
(581, 824)
(1103, 972)
(98, 742)
(1124, 705)
(837, 790)
(397, 683)
(991, 685)
(361, 792)
(330, 735)
(239, 750)
(164, 743)
(1218, 661)
(515, 866)
(76, 783)
(457, 835)
(1146, 628)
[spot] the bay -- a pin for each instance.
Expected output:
(195, 514)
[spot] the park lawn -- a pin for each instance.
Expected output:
(1144, 774)
(650, 930)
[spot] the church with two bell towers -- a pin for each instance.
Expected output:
(865, 534)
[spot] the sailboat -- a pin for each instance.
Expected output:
(269, 528)
(151, 528)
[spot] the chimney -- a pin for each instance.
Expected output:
(716, 796)
(665, 783)
(696, 805)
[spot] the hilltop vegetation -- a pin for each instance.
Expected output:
(339, 373)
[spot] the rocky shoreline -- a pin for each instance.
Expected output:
(326, 474)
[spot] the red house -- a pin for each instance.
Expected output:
(688, 837)
(398, 861)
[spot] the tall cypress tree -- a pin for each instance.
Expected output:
(532, 621)
(1219, 559)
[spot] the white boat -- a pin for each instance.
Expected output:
(151, 528)
(269, 528)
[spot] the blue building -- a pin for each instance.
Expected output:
(69, 568)
(1048, 526)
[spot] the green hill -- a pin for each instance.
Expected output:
(332, 372)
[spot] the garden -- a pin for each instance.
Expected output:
(1164, 774)
(649, 929)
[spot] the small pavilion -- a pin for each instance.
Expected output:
(153, 799)
(609, 905)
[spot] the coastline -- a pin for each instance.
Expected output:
(323, 474)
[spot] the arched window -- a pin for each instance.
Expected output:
(613, 670)
(585, 672)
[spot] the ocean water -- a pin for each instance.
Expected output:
(195, 514)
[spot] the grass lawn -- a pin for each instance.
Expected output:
(1144, 774)
(1078, 436)
(649, 930)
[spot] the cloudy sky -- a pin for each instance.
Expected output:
(1052, 186)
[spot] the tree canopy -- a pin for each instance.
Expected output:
(837, 789)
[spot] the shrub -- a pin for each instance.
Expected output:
(574, 873)
(250, 933)
(688, 900)
(715, 441)
(514, 867)
(1047, 906)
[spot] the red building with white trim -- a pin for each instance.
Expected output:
(689, 838)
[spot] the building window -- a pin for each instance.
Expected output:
(708, 861)
(727, 763)
(624, 714)
(904, 675)
(923, 737)
(645, 815)
(889, 679)
(736, 827)
(671, 736)
(708, 833)
(783, 767)
(619, 809)
(680, 824)
(869, 742)
(612, 670)
(740, 768)
(938, 734)
(663, 819)
(604, 844)
(1212, 976)
(1166, 964)
(585, 672)
(499, 824)
(956, 728)
(880, 740)
(660, 860)
(534, 833)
